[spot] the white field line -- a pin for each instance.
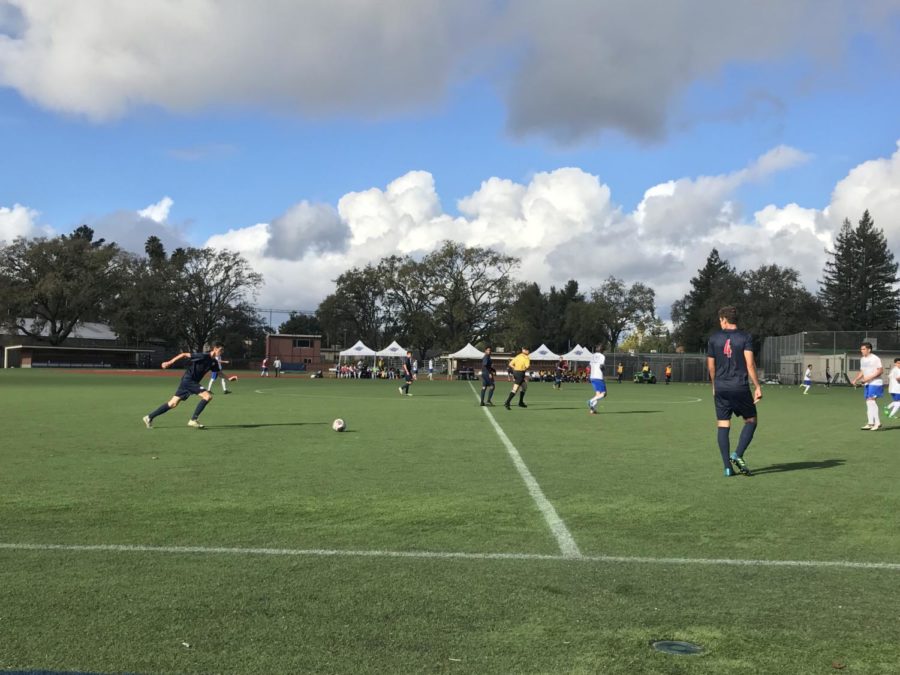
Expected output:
(447, 555)
(563, 537)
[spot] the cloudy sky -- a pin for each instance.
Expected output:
(588, 137)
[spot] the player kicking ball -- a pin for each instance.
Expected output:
(199, 365)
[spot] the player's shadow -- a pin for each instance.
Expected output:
(262, 424)
(798, 466)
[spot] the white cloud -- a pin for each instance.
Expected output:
(873, 185)
(158, 212)
(568, 68)
(19, 221)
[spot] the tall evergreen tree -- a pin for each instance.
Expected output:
(695, 315)
(859, 286)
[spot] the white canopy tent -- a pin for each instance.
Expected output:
(467, 353)
(358, 351)
(392, 350)
(543, 353)
(578, 353)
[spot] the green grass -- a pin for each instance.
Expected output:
(427, 475)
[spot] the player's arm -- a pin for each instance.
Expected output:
(176, 359)
(711, 367)
(751, 372)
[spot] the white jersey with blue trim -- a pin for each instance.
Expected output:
(894, 387)
(868, 365)
(597, 362)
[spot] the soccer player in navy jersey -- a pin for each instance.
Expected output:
(199, 365)
(487, 377)
(407, 370)
(729, 358)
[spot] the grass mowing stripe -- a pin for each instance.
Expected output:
(324, 553)
(563, 537)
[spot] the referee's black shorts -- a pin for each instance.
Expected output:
(738, 402)
(519, 377)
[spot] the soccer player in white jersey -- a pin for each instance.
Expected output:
(807, 379)
(597, 362)
(870, 370)
(893, 410)
(219, 375)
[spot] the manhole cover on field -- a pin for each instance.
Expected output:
(676, 647)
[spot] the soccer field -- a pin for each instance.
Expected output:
(438, 536)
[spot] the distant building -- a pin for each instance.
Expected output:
(297, 352)
(89, 345)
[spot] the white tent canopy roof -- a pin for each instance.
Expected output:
(359, 349)
(467, 352)
(542, 353)
(392, 349)
(578, 353)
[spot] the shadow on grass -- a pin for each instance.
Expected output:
(262, 424)
(798, 466)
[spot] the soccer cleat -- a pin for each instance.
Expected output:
(506, 405)
(741, 465)
(226, 391)
(195, 424)
(522, 405)
(868, 427)
(729, 472)
(400, 389)
(875, 427)
(148, 422)
(482, 404)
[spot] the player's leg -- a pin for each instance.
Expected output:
(161, 410)
(509, 398)
(205, 398)
(522, 394)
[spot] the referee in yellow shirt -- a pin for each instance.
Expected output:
(519, 365)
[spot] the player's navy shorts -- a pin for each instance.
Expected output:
(407, 378)
(873, 390)
(738, 403)
(188, 387)
(895, 397)
(486, 379)
(519, 377)
(599, 385)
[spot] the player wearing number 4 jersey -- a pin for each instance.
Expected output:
(729, 358)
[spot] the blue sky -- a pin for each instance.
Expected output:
(587, 138)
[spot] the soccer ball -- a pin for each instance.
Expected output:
(338, 425)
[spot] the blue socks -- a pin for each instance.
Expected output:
(746, 436)
(724, 444)
(199, 408)
(164, 408)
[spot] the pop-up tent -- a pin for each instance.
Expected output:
(357, 352)
(467, 353)
(392, 350)
(578, 353)
(542, 353)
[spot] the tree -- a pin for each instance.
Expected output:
(525, 317)
(301, 324)
(776, 303)
(859, 286)
(54, 285)
(468, 291)
(623, 309)
(695, 316)
(408, 311)
(208, 285)
(355, 311)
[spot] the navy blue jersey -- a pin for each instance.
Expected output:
(199, 365)
(487, 364)
(407, 365)
(727, 347)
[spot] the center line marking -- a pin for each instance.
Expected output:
(564, 538)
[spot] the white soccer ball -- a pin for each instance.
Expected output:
(338, 425)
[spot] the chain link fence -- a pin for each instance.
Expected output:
(833, 355)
